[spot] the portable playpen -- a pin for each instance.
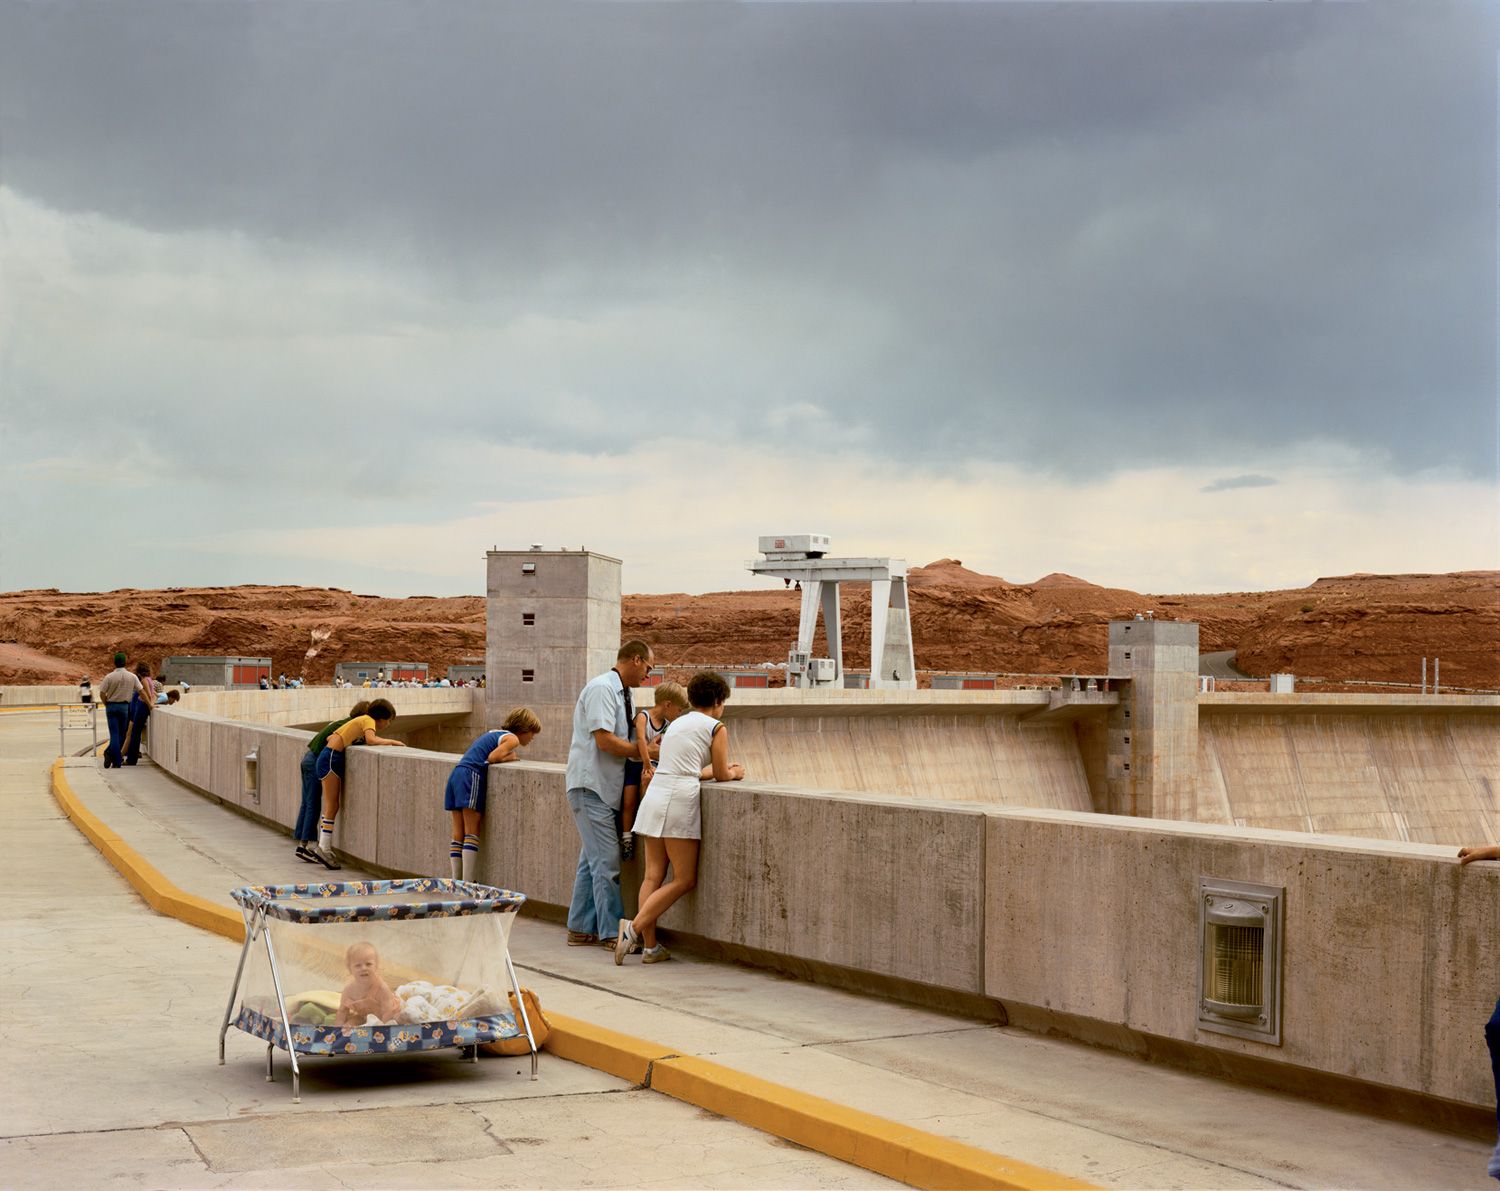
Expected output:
(377, 967)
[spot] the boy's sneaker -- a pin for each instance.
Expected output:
(325, 859)
(627, 845)
(655, 955)
(579, 938)
(304, 852)
(626, 942)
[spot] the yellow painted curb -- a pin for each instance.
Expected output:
(886, 1147)
(604, 1050)
(160, 894)
(898, 1151)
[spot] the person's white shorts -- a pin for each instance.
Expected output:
(670, 809)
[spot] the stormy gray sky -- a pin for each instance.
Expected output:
(1174, 296)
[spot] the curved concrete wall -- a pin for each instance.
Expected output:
(991, 758)
(37, 696)
(416, 707)
(1425, 777)
(1075, 921)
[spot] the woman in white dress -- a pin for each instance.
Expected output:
(694, 747)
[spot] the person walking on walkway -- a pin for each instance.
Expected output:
(141, 704)
(115, 691)
(596, 780)
(694, 747)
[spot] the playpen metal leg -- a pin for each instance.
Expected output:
(286, 1024)
(515, 983)
(270, 1074)
(250, 921)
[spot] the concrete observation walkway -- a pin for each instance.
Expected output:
(112, 1016)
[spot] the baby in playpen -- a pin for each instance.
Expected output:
(367, 994)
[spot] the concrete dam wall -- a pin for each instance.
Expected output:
(991, 758)
(1407, 769)
(1419, 777)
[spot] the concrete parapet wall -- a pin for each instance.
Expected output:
(1389, 968)
(416, 707)
(38, 696)
(1389, 965)
(1301, 701)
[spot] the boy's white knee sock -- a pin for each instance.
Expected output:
(325, 834)
(455, 854)
(471, 856)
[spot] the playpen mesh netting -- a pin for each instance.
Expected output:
(378, 967)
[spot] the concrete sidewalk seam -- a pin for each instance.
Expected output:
(886, 1147)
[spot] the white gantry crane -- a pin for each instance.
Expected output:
(803, 559)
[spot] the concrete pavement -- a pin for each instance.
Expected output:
(110, 1034)
(138, 1098)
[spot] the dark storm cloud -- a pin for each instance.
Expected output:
(1074, 235)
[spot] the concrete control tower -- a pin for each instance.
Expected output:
(803, 559)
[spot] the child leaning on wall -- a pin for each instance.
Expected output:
(360, 730)
(305, 830)
(645, 734)
(694, 750)
(464, 795)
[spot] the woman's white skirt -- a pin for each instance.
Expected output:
(670, 809)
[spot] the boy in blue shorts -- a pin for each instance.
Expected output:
(464, 795)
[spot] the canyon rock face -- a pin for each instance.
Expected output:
(1374, 628)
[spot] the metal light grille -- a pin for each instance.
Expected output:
(1234, 975)
(1239, 959)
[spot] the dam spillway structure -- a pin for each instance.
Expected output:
(803, 559)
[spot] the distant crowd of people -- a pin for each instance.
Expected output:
(409, 683)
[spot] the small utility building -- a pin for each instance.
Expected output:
(228, 672)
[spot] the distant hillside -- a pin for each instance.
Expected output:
(1373, 627)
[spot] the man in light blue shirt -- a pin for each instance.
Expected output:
(596, 781)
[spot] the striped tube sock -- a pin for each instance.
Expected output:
(471, 856)
(455, 851)
(325, 834)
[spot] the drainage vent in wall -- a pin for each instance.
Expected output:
(1239, 971)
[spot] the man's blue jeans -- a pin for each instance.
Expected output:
(596, 906)
(312, 800)
(117, 716)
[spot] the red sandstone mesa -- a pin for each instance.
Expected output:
(1357, 627)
